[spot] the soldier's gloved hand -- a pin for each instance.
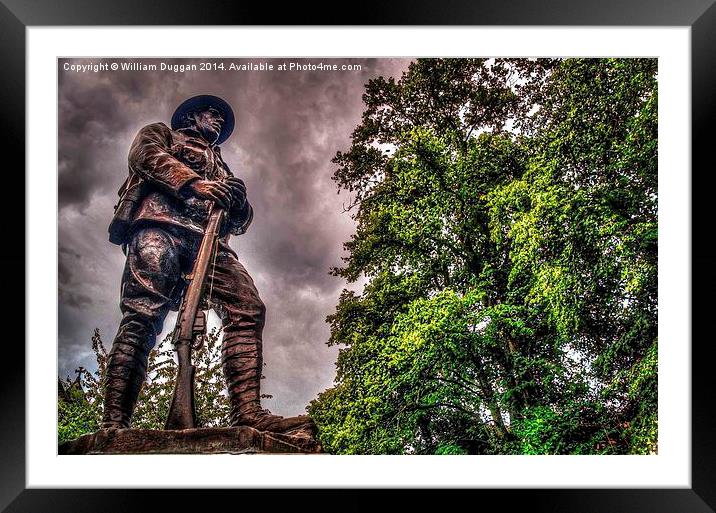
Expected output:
(218, 192)
(238, 190)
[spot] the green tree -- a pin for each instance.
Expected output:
(506, 224)
(79, 408)
(74, 413)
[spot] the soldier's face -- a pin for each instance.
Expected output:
(209, 123)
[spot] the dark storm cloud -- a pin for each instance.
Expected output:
(74, 299)
(289, 125)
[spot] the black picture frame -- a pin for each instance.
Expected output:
(17, 15)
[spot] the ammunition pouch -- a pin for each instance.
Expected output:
(130, 196)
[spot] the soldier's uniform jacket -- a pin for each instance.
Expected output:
(167, 160)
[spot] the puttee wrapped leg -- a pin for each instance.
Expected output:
(242, 362)
(126, 371)
(243, 315)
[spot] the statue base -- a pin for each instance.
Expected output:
(223, 440)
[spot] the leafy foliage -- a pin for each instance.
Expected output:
(506, 226)
(79, 409)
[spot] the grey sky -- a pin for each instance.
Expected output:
(289, 124)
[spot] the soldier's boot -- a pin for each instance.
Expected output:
(242, 364)
(126, 371)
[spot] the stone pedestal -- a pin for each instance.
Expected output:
(231, 440)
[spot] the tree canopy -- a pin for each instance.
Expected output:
(506, 216)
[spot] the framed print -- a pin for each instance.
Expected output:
(134, 74)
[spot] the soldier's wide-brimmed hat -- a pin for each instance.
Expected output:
(201, 102)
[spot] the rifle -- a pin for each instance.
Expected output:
(190, 322)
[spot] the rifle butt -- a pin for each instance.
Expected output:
(182, 411)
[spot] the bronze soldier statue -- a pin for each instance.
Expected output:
(175, 175)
